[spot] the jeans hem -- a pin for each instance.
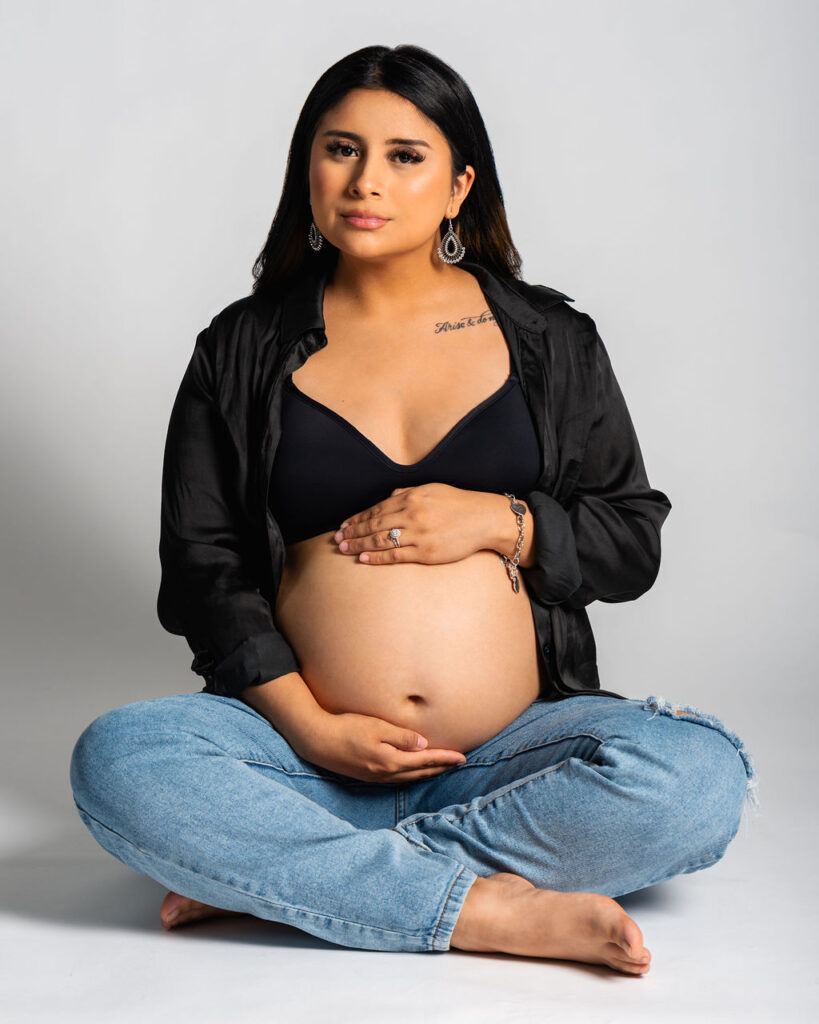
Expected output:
(340, 931)
(452, 907)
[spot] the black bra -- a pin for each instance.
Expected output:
(326, 470)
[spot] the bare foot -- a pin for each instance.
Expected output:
(504, 913)
(176, 910)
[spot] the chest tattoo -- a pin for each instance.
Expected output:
(465, 321)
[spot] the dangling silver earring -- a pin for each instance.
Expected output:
(315, 237)
(451, 250)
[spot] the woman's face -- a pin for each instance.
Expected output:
(375, 151)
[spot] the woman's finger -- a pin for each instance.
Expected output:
(430, 766)
(363, 520)
(369, 528)
(409, 774)
(402, 554)
(378, 548)
(378, 541)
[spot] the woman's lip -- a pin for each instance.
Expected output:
(366, 222)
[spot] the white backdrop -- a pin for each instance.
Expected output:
(658, 162)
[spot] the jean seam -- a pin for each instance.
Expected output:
(415, 842)
(341, 780)
(244, 892)
(515, 785)
(278, 768)
(443, 908)
(526, 750)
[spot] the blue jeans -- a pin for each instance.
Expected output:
(591, 793)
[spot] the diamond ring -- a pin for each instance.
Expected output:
(394, 534)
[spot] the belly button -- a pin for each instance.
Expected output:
(416, 698)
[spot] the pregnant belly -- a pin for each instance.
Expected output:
(448, 650)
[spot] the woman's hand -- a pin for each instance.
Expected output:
(371, 749)
(438, 523)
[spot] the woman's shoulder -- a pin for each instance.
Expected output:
(541, 295)
(558, 311)
(234, 341)
(245, 319)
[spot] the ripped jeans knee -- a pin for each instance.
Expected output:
(661, 706)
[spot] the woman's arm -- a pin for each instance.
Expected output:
(288, 704)
(604, 545)
(209, 592)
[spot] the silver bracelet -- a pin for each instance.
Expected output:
(512, 563)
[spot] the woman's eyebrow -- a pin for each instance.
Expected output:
(387, 142)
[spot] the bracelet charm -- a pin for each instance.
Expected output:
(512, 563)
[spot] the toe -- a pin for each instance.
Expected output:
(630, 938)
(629, 966)
(176, 909)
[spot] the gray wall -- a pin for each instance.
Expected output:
(658, 162)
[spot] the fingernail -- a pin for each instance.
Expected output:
(172, 916)
(421, 742)
(345, 523)
(337, 536)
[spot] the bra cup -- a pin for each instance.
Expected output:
(325, 469)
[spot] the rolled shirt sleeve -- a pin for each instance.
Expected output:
(209, 592)
(604, 544)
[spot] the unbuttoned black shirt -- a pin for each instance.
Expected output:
(597, 520)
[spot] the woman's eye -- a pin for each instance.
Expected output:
(335, 147)
(412, 157)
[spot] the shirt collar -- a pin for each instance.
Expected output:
(303, 302)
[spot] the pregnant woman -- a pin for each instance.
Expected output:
(395, 476)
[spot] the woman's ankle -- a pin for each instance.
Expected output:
(480, 922)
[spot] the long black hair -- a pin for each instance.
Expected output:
(443, 96)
